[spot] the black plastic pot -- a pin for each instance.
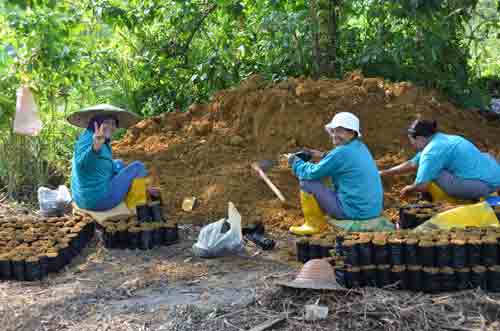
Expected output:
(369, 273)
(172, 235)
(489, 252)
(431, 280)
(478, 277)
(122, 238)
(351, 249)
(315, 251)
(383, 275)
(427, 254)
(65, 254)
(397, 252)
(143, 214)
(399, 275)
(303, 251)
(135, 239)
(411, 252)
(157, 237)
(473, 248)
(44, 266)
(414, 278)
(381, 253)
(443, 255)
(459, 254)
(325, 249)
(494, 279)
(462, 278)
(156, 212)
(146, 239)
(32, 271)
(365, 253)
(108, 239)
(163, 234)
(447, 279)
(54, 262)
(75, 245)
(5, 268)
(18, 269)
(355, 276)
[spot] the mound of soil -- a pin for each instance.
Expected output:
(207, 151)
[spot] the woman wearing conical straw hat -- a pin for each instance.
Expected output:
(99, 182)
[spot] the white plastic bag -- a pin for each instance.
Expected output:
(26, 122)
(54, 202)
(222, 237)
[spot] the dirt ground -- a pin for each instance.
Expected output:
(168, 289)
(138, 290)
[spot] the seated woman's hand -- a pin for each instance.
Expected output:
(313, 152)
(99, 137)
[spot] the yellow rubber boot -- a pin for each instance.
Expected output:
(314, 219)
(438, 194)
(137, 193)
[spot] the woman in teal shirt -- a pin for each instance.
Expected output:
(97, 181)
(357, 192)
(457, 166)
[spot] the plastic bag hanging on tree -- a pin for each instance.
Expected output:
(26, 122)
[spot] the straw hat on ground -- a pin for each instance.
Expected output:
(82, 118)
(316, 274)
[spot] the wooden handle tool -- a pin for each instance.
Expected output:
(266, 179)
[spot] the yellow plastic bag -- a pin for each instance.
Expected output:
(137, 194)
(479, 214)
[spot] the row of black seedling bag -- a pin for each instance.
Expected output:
(141, 239)
(38, 267)
(416, 278)
(310, 250)
(455, 253)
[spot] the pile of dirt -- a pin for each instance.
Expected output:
(207, 151)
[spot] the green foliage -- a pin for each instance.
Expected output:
(154, 56)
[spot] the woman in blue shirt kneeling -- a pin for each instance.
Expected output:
(357, 192)
(97, 181)
(451, 162)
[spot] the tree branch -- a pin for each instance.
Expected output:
(195, 30)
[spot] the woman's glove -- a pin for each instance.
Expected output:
(304, 156)
(292, 158)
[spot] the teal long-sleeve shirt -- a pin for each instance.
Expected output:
(458, 156)
(91, 171)
(354, 175)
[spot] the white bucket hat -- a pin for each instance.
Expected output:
(345, 120)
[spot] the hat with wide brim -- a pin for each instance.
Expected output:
(316, 274)
(82, 118)
(345, 120)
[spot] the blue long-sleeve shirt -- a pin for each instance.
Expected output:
(354, 175)
(91, 171)
(458, 156)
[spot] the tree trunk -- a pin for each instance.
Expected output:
(316, 50)
(333, 37)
